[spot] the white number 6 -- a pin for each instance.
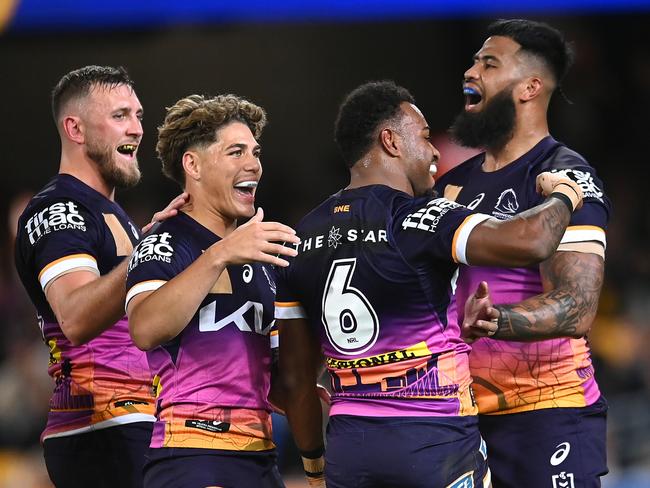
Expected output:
(350, 321)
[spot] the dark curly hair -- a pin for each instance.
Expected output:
(78, 83)
(540, 40)
(361, 112)
(194, 121)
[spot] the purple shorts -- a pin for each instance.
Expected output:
(198, 468)
(102, 458)
(405, 452)
(549, 448)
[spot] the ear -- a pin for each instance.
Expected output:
(532, 88)
(73, 129)
(388, 139)
(192, 166)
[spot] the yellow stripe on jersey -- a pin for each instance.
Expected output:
(584, 233)
(65, 265)
(459, 243)
(418, 350)
(123, 246)
(289, 310)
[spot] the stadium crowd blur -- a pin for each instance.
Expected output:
(299, 72)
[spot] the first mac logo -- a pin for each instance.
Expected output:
(58, 216)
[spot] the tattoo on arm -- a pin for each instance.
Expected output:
(567, 309)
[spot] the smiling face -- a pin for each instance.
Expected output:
(419, 155)
(228, 172)
(112, 119)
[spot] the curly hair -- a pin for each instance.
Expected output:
(540, 40)
(193, 121)
(363, 109)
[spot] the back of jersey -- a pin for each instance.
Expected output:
(375, 290)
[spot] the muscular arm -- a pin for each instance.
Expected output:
(85, 305)
(527, 238)
(300, 359)
(156, 317)
(572, 283)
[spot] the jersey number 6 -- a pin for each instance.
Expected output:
(350, 321)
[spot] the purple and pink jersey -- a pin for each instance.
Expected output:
(512, 376)
(212, 381)
(373, 279)
(69, 227)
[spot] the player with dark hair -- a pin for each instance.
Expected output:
(70, 248)
(200, 301)
(370, 288)
(541, 411)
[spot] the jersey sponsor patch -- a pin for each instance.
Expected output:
(208, 425)
(428, 218)
(155, 247)
(56, 217)
(585, 180)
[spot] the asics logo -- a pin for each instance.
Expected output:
(561, 454)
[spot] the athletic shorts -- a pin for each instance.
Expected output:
(549, 448)
(405, 452)
(102, 458)
(201, 468)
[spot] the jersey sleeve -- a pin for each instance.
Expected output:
(586, 231)
(62, 237)
(287, 303)
(154, 261)
(435, 229)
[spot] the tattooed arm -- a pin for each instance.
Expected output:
(572, 283)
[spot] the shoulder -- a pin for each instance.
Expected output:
(459, 172)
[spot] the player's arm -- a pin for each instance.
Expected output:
(572, 283)
(300, 362)
(156, 317)
(531, 236)
(86, 304)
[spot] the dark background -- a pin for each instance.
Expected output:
(299, 72)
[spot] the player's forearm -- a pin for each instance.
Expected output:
(161, 315)
(304, 412)
(92, 308)
(527, 238)
(567, 309)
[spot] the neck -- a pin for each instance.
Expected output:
(528, 132)
(77, 164)
(208, 217)
(378, 170)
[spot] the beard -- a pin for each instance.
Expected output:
(490, 128)
(104, 157)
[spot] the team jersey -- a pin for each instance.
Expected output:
(372, 277)
(69, 227)
(514, 376)
(212, 380)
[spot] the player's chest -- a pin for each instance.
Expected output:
(499, 196)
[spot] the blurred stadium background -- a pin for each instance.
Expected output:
(297, 59)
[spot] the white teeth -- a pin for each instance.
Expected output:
(246, 184)
(433, 169)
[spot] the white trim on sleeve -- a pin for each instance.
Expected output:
(65, 265)
(462, 235)
(150, 285)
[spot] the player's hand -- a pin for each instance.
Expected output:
(257, 241)
(480, 316)
(169, 211)
(547, 183)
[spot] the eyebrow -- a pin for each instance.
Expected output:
(485, 57)
(243, 147)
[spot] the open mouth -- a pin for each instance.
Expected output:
(472, 97)
(246, 187)
(127, 149)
